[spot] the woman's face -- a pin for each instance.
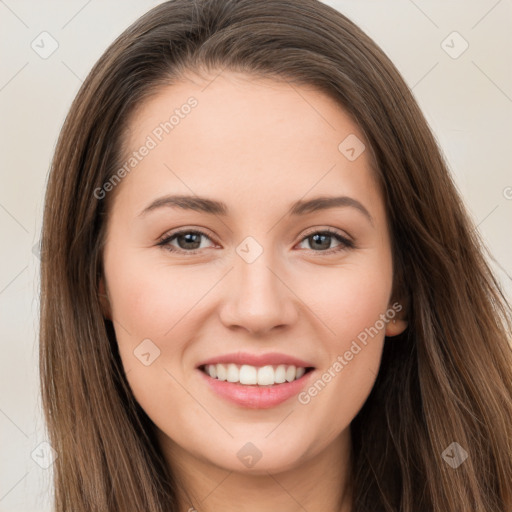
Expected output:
(253, 282)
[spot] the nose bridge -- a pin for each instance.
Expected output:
(257, 299)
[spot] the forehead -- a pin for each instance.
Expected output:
(252, 139)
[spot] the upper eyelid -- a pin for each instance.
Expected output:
(332, 231)
(172, 234)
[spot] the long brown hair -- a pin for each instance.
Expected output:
(447, 378)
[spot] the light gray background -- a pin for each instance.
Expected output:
(467, 101)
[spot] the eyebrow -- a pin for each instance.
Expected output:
(213, 207)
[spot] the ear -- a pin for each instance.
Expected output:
(398, 322)
(104, 301)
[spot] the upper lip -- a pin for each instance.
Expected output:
(271, 358)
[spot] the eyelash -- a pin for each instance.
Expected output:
(345, 243)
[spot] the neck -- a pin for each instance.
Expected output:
(314, 484)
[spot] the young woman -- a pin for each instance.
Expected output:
(260, 289)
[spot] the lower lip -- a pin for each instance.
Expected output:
(256, 397)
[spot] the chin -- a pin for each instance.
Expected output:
(258, 457)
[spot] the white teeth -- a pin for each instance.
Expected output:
(265, 376)
(222, 373)
(291, 371)
(280, 374)
(251, 375)
(248, 374)
(233, 374)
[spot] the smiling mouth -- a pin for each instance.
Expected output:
(249, 375)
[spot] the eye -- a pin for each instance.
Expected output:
(320, 240)
(189, 241)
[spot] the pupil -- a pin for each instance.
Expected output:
(189, 239)
(315, 238)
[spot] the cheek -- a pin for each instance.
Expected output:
(153, 300)
(350, 305)
(351, 300)
(155, 308)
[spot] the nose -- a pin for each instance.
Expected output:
(258, 299)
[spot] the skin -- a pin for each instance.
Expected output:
(258, 145)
